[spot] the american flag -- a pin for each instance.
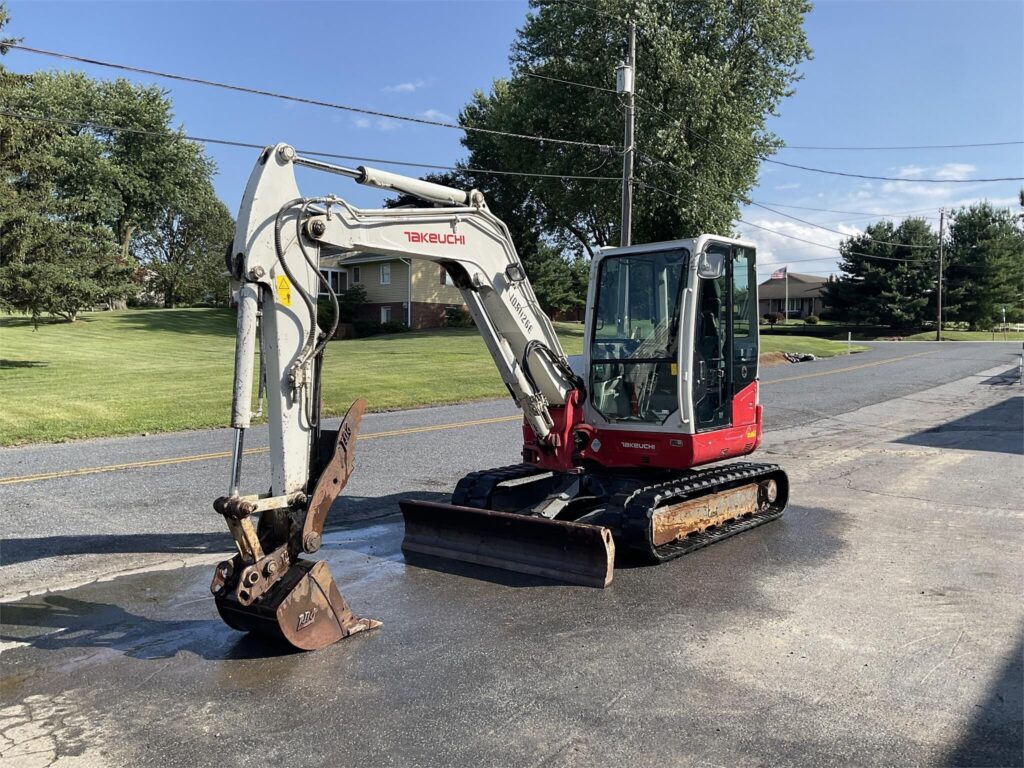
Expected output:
(778, 274)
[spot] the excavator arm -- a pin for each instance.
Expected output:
(267, 586)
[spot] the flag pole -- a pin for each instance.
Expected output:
(786, 310)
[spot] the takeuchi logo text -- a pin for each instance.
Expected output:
(433, 237)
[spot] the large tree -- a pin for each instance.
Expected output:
(182, 256)
(57, 254)
(709, 73)
(889, 275)
(984, 266)
(98, 169)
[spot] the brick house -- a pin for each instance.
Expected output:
(412, 291)
(806, 295)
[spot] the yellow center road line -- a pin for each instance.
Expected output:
(372, 435)
(227, 454)
(844, 370)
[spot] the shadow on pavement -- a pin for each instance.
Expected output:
(996, 736)
(348, 512)
(76, 623)
(480, 572)
(1007, 378)
(997, 429)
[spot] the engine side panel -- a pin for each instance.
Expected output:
(627, 448)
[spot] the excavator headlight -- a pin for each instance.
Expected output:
(515, 273)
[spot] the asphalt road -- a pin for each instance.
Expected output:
(64, 528)
(879, 622)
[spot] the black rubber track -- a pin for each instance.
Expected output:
(637, 508)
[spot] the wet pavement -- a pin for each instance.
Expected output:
(879, 622)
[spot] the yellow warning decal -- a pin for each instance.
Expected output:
(675, 369)
(751, 434)
(284, 291)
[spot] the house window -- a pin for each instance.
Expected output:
(385, 274)
(337, 279)
(446, 279)
(355, 275)
(385, 314)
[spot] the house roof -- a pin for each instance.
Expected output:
(800, 287)
(329, 258)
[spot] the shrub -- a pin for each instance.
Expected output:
(324, 314)
(772, 318)
(811, 319)
(457, 317)
(394, 326)
(365, 327)
(349, 302)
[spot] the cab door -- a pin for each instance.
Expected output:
(713, 341)
(725, 350)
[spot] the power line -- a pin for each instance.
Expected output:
(567, 82)
(890, 178)
(837, 232)
(833, 210)
(246, 145)
(918, 146)
(793, 237)
(827, 171)
(780, 213)
(305, 100)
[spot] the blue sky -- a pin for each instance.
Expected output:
(884, 73)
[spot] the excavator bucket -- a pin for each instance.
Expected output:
(280, 595)
(564, 551)
(304, 608)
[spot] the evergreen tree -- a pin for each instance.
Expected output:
(884, 280)
(984, 266)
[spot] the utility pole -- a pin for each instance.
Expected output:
(942, 221)
(624, 77)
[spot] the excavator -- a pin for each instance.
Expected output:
(622, 446)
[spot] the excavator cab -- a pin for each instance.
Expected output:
(651, 304)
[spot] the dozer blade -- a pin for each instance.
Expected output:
(572, 552)
(304, 608)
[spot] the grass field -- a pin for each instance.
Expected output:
(967, 336)
(138, 371)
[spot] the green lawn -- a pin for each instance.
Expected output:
(818, 347)
(118, 373)
(948, 335)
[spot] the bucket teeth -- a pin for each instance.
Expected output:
(305, 609)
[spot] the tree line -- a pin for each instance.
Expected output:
(890, 272)
(94, 216)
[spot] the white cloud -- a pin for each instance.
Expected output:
(784, 187)
(926, 191)
(380, 123)
(910, 171)
(438, 115)
(410, 86)
(955, 171)
(775, 248)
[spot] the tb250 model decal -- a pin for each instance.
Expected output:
(434, 238)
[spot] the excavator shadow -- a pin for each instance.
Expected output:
(347, 513)
(67, 623)
(479, 572)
